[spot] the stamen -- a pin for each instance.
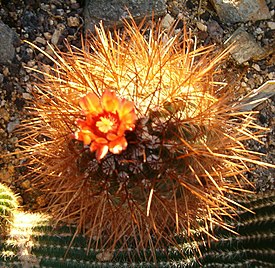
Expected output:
(105, 124)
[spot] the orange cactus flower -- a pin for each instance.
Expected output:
(107, 119)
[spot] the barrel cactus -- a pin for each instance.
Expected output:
(132, 139)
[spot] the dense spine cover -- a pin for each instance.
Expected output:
(133, 141)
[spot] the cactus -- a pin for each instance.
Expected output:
(8, 207)
(8, 204)
(253, 246)
(131, 136)
(17, 228)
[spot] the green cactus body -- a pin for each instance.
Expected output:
(255, 244)
(253, 247)
(8, 204)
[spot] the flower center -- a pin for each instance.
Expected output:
(105, 124)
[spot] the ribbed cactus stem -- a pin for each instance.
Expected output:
(8, 204)
(253, 247)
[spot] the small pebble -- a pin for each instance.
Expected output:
(26, 184)
(259, 31)
(41, 201)
(60, 12)
(55, 37)
(5, 115)
(31, 63)
(256, 67)
(105, 256)
(201, 26)
(27, 96)
(73, 21)
(40, 40)
(6, 71)
(271, 25)
(12, 125)
(29, 51)
(47, 35)
(271, 76)
(167, 22)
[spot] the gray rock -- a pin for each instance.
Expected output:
(12, 125)
(57, 33)
(241, 10)
(167, 22)
(112, 12)
(8, 38)
(256, 97)
(245, 46)
(215, 31)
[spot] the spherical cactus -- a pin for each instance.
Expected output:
(133, 140)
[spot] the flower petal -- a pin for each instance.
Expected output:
(80, 123)
(111, 136)
(121, 129)
(78, 135)
(101, 140)
(85, 135)
(89, 119)
(94, 146)
(124, 127)
(118, 145)
(101, 151)
(87, 139)
(110, 101)
(88, 131)
(126, 107)
(90, 103)
(129, 118)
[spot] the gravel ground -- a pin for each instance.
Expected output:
(38, 22)
(54, 21)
